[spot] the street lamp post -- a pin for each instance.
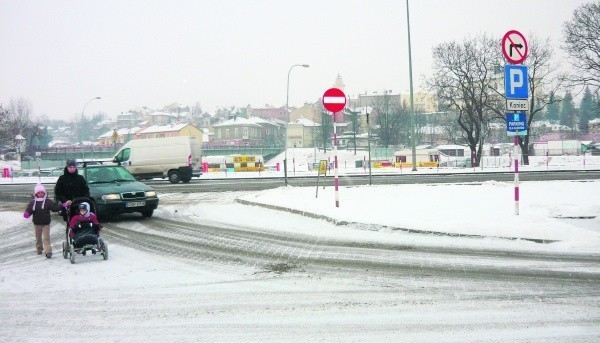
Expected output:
(287, 119)
(412, 107)
(82, 112)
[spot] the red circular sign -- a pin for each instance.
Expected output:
(514, 47)
(334, 100)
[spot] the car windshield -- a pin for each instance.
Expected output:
(108, 174)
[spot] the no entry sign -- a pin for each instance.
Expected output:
(334, 100)
(514, 47)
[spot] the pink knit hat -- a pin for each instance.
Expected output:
(40, 188)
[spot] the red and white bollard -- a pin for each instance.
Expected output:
(335, 162)
(516, 152)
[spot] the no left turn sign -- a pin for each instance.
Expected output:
(514, 47)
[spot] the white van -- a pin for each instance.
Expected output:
(178, 158)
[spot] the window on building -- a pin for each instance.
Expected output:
(245, 133)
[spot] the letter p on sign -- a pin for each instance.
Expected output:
(516, 80)
(516, 85)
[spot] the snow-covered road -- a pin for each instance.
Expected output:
(195, 273)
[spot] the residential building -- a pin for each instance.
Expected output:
(123, 135)
(301, 133)
(268, 113)
(125, 120)
(307, 111)
(161, 118)
(237, 131)
(173, 130)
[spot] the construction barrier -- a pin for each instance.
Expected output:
(419, 164)
(237, 163)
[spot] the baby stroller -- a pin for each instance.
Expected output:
(85, 236)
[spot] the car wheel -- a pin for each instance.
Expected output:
(174, 177)
(147, 213)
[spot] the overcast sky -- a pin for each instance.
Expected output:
(60, 54)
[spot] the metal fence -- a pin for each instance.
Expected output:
(85, 152)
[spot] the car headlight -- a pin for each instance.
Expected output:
(151, 194)
(111, 197)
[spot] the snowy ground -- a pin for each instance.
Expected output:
(149, 296)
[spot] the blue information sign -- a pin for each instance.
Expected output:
(516, 84)
(516, 124)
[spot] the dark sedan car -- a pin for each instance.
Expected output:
(116, 191)
(594, 148)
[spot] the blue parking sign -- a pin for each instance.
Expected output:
(516, 124)
(516, 82)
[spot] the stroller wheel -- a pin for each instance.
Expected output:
(65, 250)
(104, 248)
(72, 252)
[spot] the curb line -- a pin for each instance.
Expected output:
(376, 227)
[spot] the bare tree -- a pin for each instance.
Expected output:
(582, 42)
(3, 125)
(325, 131)
(391, 120)
(452, 133)
(463, 80)
(19, 117)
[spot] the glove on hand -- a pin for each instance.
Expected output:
(65, 205)
(26, 215)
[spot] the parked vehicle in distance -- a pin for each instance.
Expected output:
(177, 158)
(114, 191)
(52, 171)
(594, 148)
(28, 173)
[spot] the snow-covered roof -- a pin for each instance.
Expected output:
(305, 122)
(164, 128)
(159, 113)
(238, 122)
(258, 120)
(451, 147)
(552, 126)
(363, 110)
(120, 132)
(58, 142)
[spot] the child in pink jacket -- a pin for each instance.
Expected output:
(40, 207)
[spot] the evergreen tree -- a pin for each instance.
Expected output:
(567, 111)
(586, 110)
(596, 107)
(553, 109)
